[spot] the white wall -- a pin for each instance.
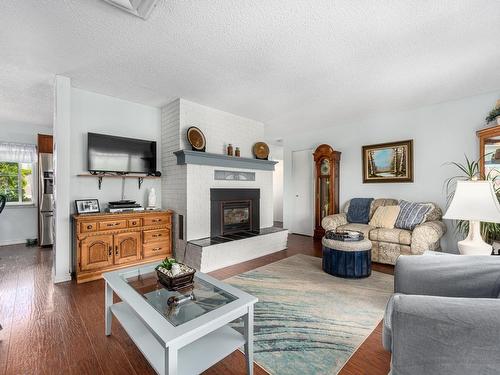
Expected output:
(276, 153)
(278, 191)
(441, 133)
(173, 176)
(62, 174)
(10, 230)
(91, 112)
(77, 113)
(220, 128)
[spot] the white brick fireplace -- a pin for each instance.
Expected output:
(198, 204)
(186, 186)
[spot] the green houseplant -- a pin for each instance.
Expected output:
(470, 170)
(494, 113)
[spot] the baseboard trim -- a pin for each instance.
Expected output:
(62, 278)
(12, 242)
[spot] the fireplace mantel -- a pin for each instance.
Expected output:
(218, 160)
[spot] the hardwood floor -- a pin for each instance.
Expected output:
(51, 328)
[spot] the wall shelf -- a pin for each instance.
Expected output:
(140, 178)
(219, 160)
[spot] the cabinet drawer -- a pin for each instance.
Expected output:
(88, 227)
(134, 223)
(154, 249)
(158, 235)
(156, 220)
(112, 224)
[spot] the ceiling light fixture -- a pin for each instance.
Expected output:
(139, 8)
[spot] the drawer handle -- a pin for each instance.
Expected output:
(89, 227)
(112, 224)
(156, 235)
(156, 249)
(116, 250)
(134, 222)
(156, 220)
(110, 251)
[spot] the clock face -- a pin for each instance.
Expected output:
(325, 167)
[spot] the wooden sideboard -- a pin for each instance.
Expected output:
(105, 241)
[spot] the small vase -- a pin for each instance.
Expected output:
(237, 152)
(230, 150)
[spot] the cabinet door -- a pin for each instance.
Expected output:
(96, 252)
(127, 247)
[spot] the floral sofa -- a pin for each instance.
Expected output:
(389, 244)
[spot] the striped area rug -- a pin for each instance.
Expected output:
(307, 321)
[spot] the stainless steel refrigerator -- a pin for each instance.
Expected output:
(46, 199)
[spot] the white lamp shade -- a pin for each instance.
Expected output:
(474, 200)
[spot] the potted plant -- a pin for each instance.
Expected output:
(494, 114)
(174, 275)
(470, 170)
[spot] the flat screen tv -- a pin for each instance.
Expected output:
(107, 153)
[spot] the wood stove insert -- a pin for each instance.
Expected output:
(234, 211)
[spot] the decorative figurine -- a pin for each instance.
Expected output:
(176, 269)
(152, 199)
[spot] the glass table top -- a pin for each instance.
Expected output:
(179, 307)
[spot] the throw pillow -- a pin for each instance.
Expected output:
(411, 214)
(385, 217)
(359, 210)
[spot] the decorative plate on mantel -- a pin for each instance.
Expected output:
(196, 139)
(261, 150)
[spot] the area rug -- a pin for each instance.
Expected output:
(307, 321)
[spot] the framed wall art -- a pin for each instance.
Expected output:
(388, 162)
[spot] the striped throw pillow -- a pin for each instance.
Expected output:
(411, 214)
(385, 217)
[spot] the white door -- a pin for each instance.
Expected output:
(302, 221)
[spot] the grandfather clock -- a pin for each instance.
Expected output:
(326, 199)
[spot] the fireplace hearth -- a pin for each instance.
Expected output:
(233, 211)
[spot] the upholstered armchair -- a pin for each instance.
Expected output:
(444, 317)
(389, 244)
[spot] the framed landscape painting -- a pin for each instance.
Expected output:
(388, 162)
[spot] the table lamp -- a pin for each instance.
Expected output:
(475, 201)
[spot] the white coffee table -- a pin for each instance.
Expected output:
(188, 339)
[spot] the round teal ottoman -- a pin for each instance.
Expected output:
(348, 259)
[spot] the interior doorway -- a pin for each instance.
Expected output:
(278, 194)
(302, 218)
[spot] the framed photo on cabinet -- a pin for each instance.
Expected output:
(87, 206)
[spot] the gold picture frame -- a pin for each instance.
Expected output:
(388, 162)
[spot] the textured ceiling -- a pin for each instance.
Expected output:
(291, 64)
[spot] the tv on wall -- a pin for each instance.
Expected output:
(107, 153)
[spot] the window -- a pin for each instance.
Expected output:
(16, 182)
(16, 172)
